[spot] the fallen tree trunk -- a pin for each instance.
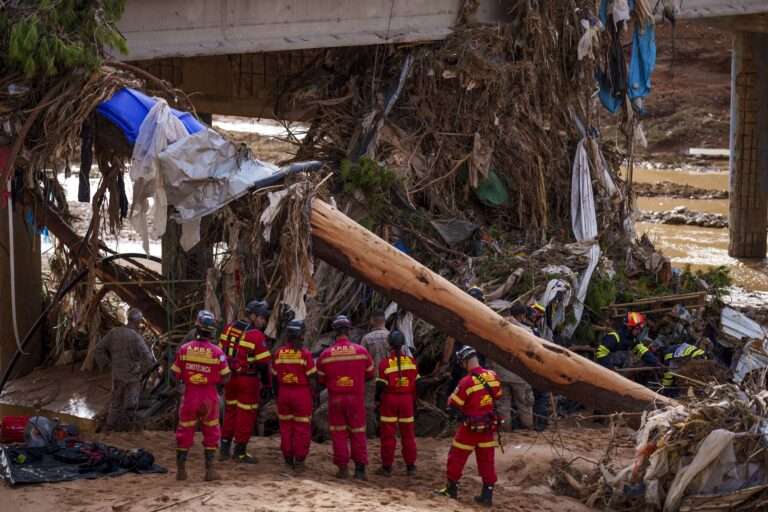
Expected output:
(354, 250)
(134, 295)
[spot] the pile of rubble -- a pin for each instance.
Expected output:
(681, 215)
(676, 191)
(709, 453)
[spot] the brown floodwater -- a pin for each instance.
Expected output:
(85, 424)
(703, 179)
(702, 248)
(663, 204)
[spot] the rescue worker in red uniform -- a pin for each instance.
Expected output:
(295, 384)
(474, 400)
(199, 366)
(247, 351)
(343, 368)
(396, 390)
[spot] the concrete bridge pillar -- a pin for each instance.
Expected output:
(748, 215)
(29, 290)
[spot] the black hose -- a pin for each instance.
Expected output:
(59, 295)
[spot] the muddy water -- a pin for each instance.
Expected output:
(710, 180)
(662, 204)
(700, 247)
(85, 424)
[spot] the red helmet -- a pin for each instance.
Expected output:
(634, 320)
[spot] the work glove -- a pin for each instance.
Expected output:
(180, 388)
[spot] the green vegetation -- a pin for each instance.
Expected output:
(371, 178)
(717, 278)
(43, 38)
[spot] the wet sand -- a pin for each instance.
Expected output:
(267, 486)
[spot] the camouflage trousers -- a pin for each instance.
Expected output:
(122, 407)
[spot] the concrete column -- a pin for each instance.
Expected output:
(748, 215)
(29, 291)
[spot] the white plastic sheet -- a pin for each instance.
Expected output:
(620, 11)
(159, 129)
(202, 173)
(708, 452)
(584, 222)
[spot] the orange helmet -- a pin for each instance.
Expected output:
(634, 320)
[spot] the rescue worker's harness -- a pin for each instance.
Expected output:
(492, 421)
(234, 344)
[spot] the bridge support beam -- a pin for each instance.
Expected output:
(29, 289)
(748, 215)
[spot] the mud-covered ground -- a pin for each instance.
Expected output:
(269, 486)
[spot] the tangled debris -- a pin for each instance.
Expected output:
(708, 452)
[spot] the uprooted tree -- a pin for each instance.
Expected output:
(457, 152)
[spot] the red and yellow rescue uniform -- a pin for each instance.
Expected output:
(200, 365)
(397, 404)
(343, 368)
(477, 430)
(292, 368)
(245, 348)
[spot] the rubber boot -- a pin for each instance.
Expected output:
(240, 454)
(451, 490)
(290, 462)
(384, 471)
(360, 472)
(486, 496)
(410, 469)
(299, 466)
(210, 472)
(343, 472)
(226, 449)
(181, 465)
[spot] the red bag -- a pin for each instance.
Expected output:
(12, 430)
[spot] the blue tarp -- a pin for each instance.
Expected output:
(127, 108)
(643, 60)
(640, 66)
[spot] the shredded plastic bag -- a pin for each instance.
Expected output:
(158, 130)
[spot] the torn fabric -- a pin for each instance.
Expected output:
(584, 222)
(159, 129)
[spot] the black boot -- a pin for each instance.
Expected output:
(486, 496)
(290, 462)
(360, 472)
(181, 464)
(342, 472)
(451, 490)
(410, 469)
(384, 471)
(226, 447)
(299, 466)
(210, 472)
(240, 454)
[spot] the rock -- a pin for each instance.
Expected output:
(679, 209)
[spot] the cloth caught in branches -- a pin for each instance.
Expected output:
(584, 222)
(159, 129)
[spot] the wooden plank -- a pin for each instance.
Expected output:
(349, 247)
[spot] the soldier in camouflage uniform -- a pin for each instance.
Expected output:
(130, 356)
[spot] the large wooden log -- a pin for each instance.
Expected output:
(349, 247)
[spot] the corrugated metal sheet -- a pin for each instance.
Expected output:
(739, 327)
